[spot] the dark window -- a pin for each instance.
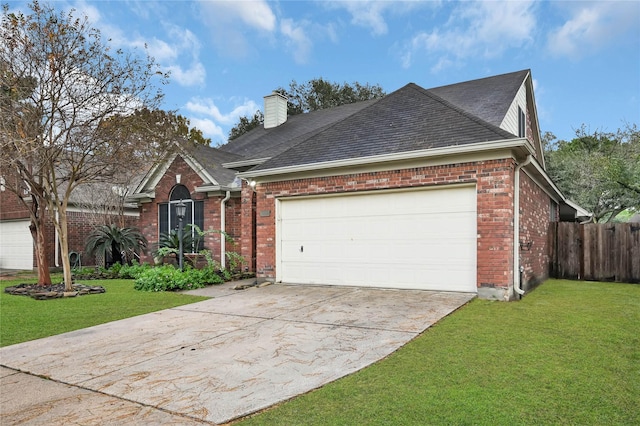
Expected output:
(522, 123)
(180, 192)
(194, 215)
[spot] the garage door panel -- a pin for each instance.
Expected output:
(16, 245)
(407, 239)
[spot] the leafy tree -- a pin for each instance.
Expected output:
(245, 125)
(157, 123)
(57, 132)
(599, 170)
(313, 95)
(319, 94)
(14, 90)
(110, 241)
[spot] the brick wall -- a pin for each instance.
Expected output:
(248, 226)
(535, 247)
(10, 205)
(189, 178)
(80, 225)
(494, 182)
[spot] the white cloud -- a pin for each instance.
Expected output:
(592, 26)
(297, 40)
(209, 129)
(178, 52)
(193, 76)
(185, 43)
(368, 14)
(371, 13)
(256, 14)
(485, 29)
(85, 9)
(207, 116)
(228, 21)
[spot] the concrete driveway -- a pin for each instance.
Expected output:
(215, 360)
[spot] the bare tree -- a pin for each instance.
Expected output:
(63, 91)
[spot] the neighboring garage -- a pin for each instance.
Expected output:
(412, 239)
(16, 245)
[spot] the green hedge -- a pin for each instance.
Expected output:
(168, 278)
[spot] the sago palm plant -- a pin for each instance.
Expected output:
(111, 241)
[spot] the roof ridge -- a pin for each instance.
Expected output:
(490, 77)
(308, 135)
(462, 111)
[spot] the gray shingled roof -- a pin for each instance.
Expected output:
(212, 159)
(487, 98)
(408, 119)
(262, 143)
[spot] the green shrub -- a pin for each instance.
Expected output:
(130, 272)
(111, 242)
(168, 278)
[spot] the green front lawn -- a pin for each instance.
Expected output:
(23, 318)
(567, 354)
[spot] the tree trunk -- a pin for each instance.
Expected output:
(36, 227)
(64, 247)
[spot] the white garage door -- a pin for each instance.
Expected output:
(16, 245)
(417, 239)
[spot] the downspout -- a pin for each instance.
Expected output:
(56, 243)
(517, 268)
(223, 236)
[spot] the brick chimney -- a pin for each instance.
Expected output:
(275, 110)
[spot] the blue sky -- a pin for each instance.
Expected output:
(225, 56)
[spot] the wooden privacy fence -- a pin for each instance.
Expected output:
(596, 251)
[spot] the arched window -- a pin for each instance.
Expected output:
(168, 220)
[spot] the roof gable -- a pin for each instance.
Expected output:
(204, 160)
(487, 98)
(409, 119)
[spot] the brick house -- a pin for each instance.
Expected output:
(210, 192)
(438, 189)
(16, 243)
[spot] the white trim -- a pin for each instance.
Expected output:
(154, 175)
(532, 102)
(199, 169)
(580, 212)
(546, 177)
(554, 196)
(212, 188)
(521, 143)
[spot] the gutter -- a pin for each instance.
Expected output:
(521, 143)
(57, 243)
(223, 237)
(215, 188)
(517, 268)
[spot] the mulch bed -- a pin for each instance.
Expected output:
(54, 291)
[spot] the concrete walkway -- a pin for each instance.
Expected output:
(212, 361)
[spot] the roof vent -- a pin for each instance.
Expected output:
(275, 110)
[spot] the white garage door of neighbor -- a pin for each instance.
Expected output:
(413, 239)
(16, 245)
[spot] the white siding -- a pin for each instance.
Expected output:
(510, 121)
(275, 110)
